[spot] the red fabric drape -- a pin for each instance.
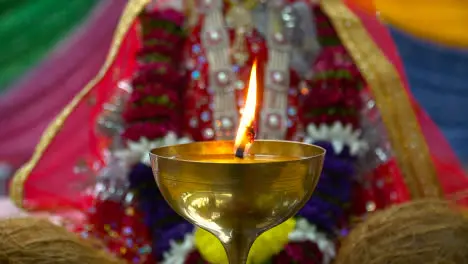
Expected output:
(450, 172)
(53, 182)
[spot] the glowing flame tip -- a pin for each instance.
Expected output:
(244, 137)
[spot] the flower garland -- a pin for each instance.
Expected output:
(137, 151)
(152, 111)
(335, 88)
(338, 135)
(307, 232)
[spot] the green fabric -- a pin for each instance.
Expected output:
(29, 29)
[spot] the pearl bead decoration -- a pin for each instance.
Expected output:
(208, 133)
(274, 121)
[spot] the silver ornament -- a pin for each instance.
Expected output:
(110, 122)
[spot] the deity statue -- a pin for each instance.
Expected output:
(177, 72)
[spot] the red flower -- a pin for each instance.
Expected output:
(336, 86)
(148, 112)
(98, 215)
(162, 35)
(195, 258)
(156, 72)
(169, 15)
(299, 253)
(168, 50)
(153, 90)
(120, 228)
(149, 130)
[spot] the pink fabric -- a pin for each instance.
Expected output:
(29, 106)
(450, 172)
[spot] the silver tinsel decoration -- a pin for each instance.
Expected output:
(110, 181)
(374, 132)
(110, 121)
(297, 21)
(300, 29)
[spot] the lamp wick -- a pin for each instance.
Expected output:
(240, 152)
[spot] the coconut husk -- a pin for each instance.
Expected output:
(420, 232)
(38, 241)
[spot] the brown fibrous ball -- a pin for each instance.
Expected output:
(38, 241)
(420, 232)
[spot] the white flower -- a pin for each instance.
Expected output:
(338, 135)
(137, 151)
(305, 231)
(179, 252)
(126, 86)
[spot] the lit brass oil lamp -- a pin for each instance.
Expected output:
(237, 190)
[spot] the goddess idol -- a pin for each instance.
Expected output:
(176, 72)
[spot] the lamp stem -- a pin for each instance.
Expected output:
(238, 247)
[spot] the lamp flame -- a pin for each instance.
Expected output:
(245, 132)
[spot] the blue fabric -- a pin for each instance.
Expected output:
(438, 77)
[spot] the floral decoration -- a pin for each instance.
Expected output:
(331, 107)
(137, 151)
(152, 111)
(338, 135)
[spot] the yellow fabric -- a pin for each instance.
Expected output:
(442, 21)
(401, 122)
(266, 245)
(364, 5)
